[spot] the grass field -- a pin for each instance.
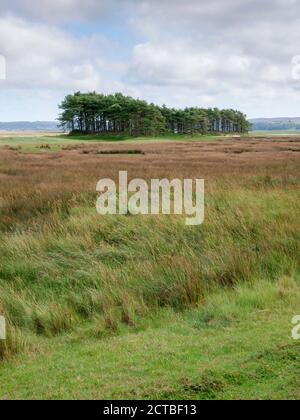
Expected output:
(145, 307)
(45, 142)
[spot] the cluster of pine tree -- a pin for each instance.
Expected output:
(94, 113)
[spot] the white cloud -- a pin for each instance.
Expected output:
(45, 62)
(182, 63)
(43, 57)
(236, 53)
(61, 10)
(39, 56)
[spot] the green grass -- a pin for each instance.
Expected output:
(80, 264)
(289, 133)
(112, 308)
(145, 307)
(33, 144)
(236, 346)
(55, 143)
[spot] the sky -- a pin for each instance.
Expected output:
(241, 54)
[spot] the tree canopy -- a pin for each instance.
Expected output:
(93, 113)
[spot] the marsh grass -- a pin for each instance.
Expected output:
(62, 265)
(74, 265)
(14, 344)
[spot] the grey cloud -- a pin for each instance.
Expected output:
(193, 51)
(240, 46)
(39, 56)
(63, 10)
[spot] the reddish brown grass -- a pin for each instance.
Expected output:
(33, 185)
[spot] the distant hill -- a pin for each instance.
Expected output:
(258, 124)
(29, 126)
(275, 124)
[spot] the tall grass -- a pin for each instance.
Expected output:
(61, 263)
(75, 265)
(15, 341)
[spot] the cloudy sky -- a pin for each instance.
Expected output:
(234, 53)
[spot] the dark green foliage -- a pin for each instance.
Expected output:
(96, 113)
